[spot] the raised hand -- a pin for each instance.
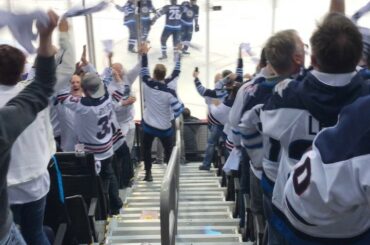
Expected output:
(46, 49)
(144, 48)
(63, 25)
(83, 56)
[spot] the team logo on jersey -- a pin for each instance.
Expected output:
(189, 13)
(281, 86)
(145, 10)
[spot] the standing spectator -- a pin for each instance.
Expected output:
(161, 105)
(298, 111)
(66, 117)
(217, 112)
(32, 180)
(285, 54)
(327, 194)
(94, 115)
(190, 134)
(188, 17)
(121, 91)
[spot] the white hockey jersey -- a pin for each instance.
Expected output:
(160, 102)
(94, 125)
(299, 110)
(327, 196)
(66, 118)
(123, 90)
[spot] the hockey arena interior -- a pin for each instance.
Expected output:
(189, 122)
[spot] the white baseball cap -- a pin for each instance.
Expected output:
(92, 83)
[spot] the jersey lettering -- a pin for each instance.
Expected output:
(301, 177)
(174, 14)
(105, 126)
(314, 127)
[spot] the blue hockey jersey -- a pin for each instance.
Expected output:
(191, 13)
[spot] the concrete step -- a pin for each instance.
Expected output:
(181, 222)
(181, 198)
(185, 181)
(182, 189)
(182, 215)
(182, 193)
(194, 203)
(182, 230)
(182, 209)
(179, 238)
(192, 184)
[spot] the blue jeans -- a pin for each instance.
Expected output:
(274, 237)
(215, 133)
(30, 217)
(14, 237)
(244, 185)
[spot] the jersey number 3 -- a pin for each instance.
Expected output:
(105, 125)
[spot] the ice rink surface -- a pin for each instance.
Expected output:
(239, 21)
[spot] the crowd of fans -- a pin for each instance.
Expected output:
(297, 133)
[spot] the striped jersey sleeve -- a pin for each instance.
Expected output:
(239, 71)
(145, 75)
(177, 106)
(176, 71)
(212, 93)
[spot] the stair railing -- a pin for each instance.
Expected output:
(170, 194)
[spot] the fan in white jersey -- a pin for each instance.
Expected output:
(66, 117)
(327, 196)
(121, 91)
(120, 88)
(161, 105)
(298, 110)
(95, 129)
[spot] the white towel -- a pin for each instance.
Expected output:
(233, 161)
(20, 25)
(108, 46)
(79, 11)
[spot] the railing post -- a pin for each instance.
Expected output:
(170, 194)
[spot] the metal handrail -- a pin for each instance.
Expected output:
(170, 194)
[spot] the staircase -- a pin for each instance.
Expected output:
(204, 216)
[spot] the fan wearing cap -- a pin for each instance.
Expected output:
(94, 115)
